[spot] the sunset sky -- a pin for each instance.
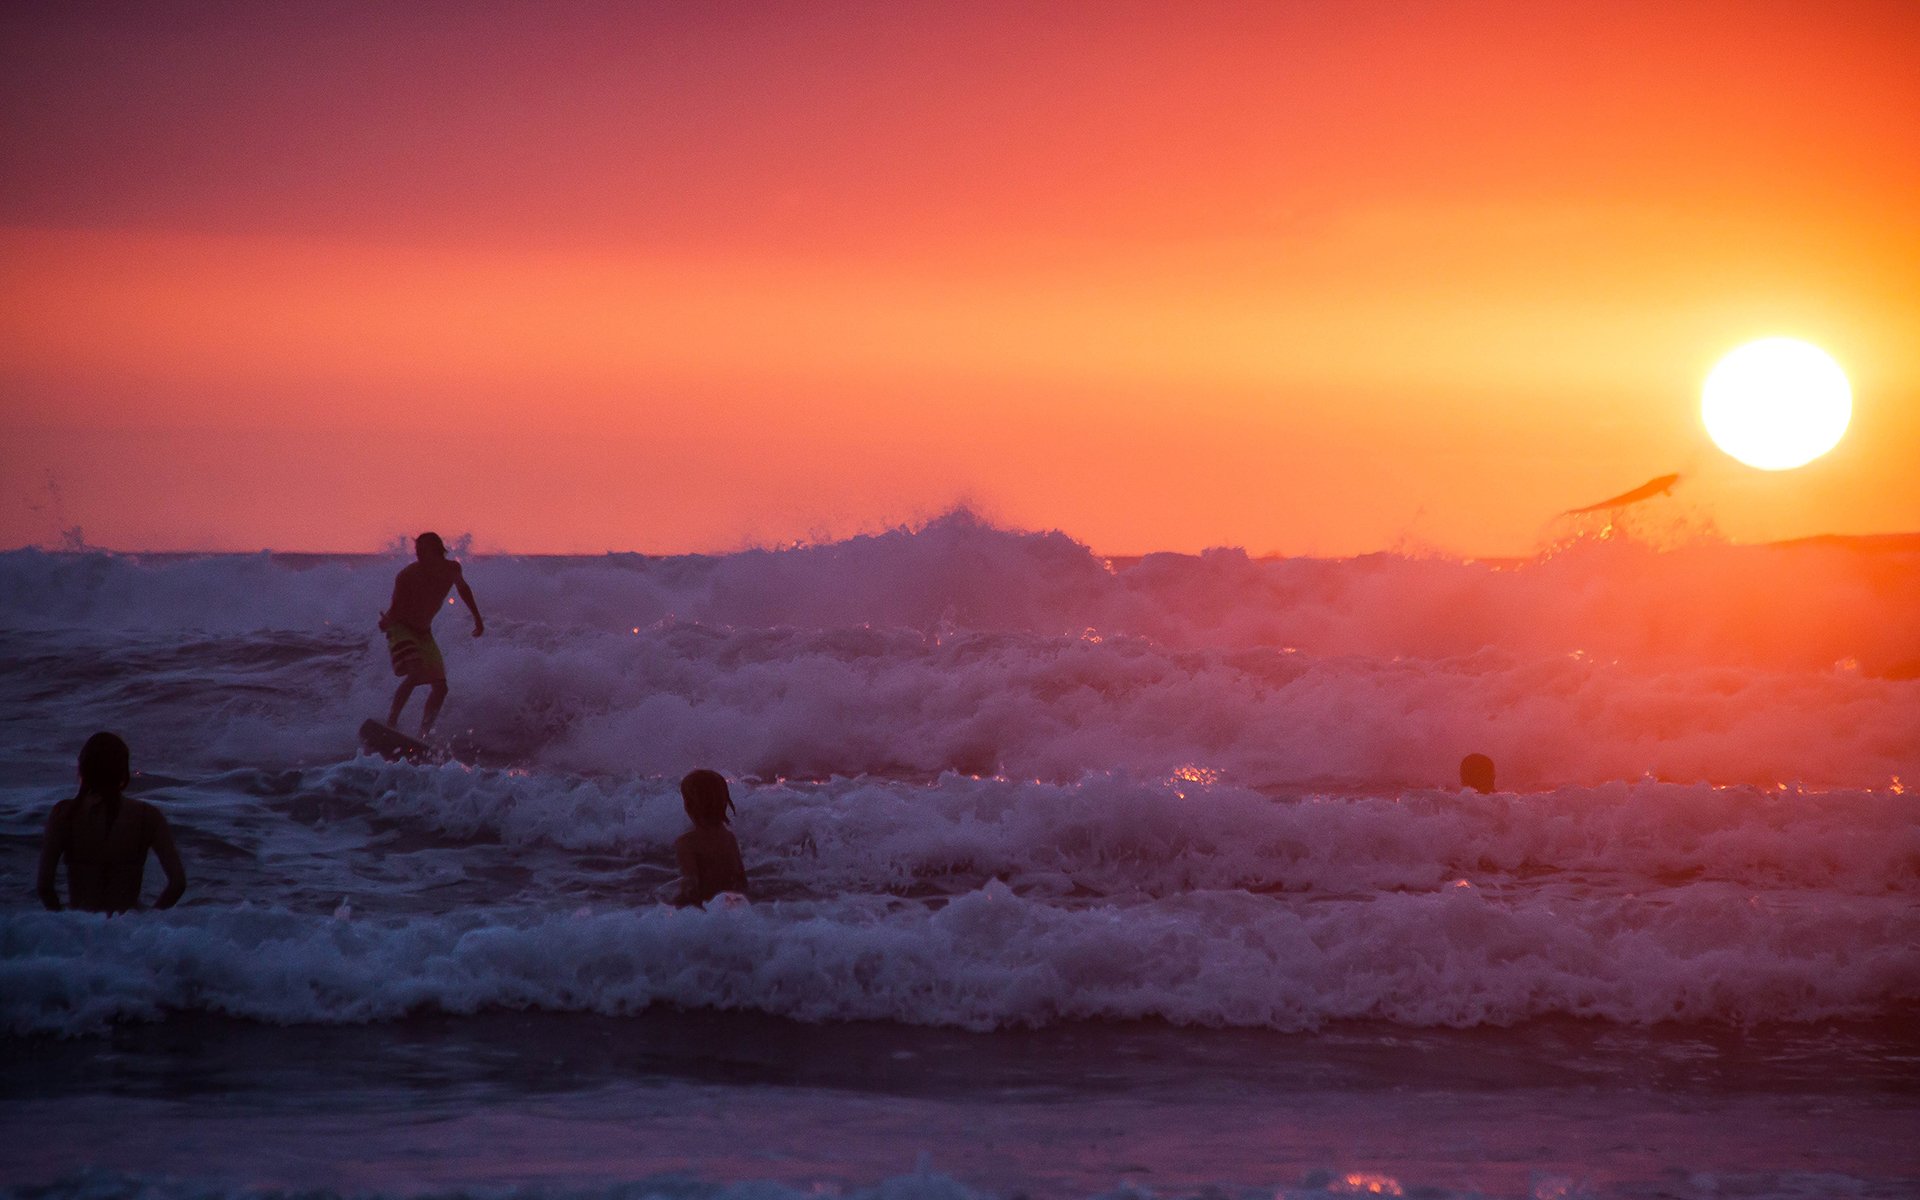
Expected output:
(1315, 278)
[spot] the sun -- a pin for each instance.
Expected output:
(1777, 403)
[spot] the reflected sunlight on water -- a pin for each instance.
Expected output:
(1361, 1183)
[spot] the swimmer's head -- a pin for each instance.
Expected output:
(706, 796)
(428, 545)
(105, 765)
(1476, 772)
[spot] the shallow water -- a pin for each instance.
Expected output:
(560, 1102)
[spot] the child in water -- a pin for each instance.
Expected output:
(1476, 772)
(709, 856)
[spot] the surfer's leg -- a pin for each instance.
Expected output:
(399, 702)
(436, 696)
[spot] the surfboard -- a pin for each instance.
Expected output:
(389, 743)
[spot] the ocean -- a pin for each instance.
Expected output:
(1072, 876)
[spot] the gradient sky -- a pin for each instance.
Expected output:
(1302, 277)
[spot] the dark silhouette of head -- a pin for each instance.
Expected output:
(428, 545)
(706, 796)
(1476, 772)
(106, 766)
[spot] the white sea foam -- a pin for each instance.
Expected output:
(1110, 835)
(856, 701)
(1786, 607)
(986, 779)
(992, 958)
(963, 648)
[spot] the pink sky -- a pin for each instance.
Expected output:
(1322, 278)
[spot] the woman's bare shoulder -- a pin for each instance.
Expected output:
(715, 837)
(147, 811)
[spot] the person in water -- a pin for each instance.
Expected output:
(105, 838)
(1476, 772)
(418, 592)
(709, 856)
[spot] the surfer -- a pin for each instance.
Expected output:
(419, 590)
(709, 856)
(105, 838)
(1662, 486)
(1476, 772)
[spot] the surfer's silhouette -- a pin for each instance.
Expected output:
(1476, 772)
(105, 838)
(1661, 486)
(708, 853)
(418, 592)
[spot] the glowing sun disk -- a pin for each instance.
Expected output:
(1776, 404)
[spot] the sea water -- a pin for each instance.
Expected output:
(1070, 875)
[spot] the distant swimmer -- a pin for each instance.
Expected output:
(1476, 772)
(709, 856)
(105, 838)
(418, 592)
(1646, 491)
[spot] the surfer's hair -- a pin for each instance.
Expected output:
(706, 796)
(429, 541)
(106, 767)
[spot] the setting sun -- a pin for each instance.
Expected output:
(1776, 404)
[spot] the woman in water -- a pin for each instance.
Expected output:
(709, 856)
(105, 838)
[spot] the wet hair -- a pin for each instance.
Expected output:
(706, 796)
(1476, 772)
(106, 767)
(428, 541)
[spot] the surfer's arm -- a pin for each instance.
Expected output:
(466, 595)
(393, 605)
(169, 856)
(52, 848)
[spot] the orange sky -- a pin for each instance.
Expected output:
(1322, 278)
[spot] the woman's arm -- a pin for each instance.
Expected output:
(689, 893)
(53, 846)
(169, 856)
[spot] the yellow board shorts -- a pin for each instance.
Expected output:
(416, 658)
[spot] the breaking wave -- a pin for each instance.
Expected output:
(988, 779)
(992, 958)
